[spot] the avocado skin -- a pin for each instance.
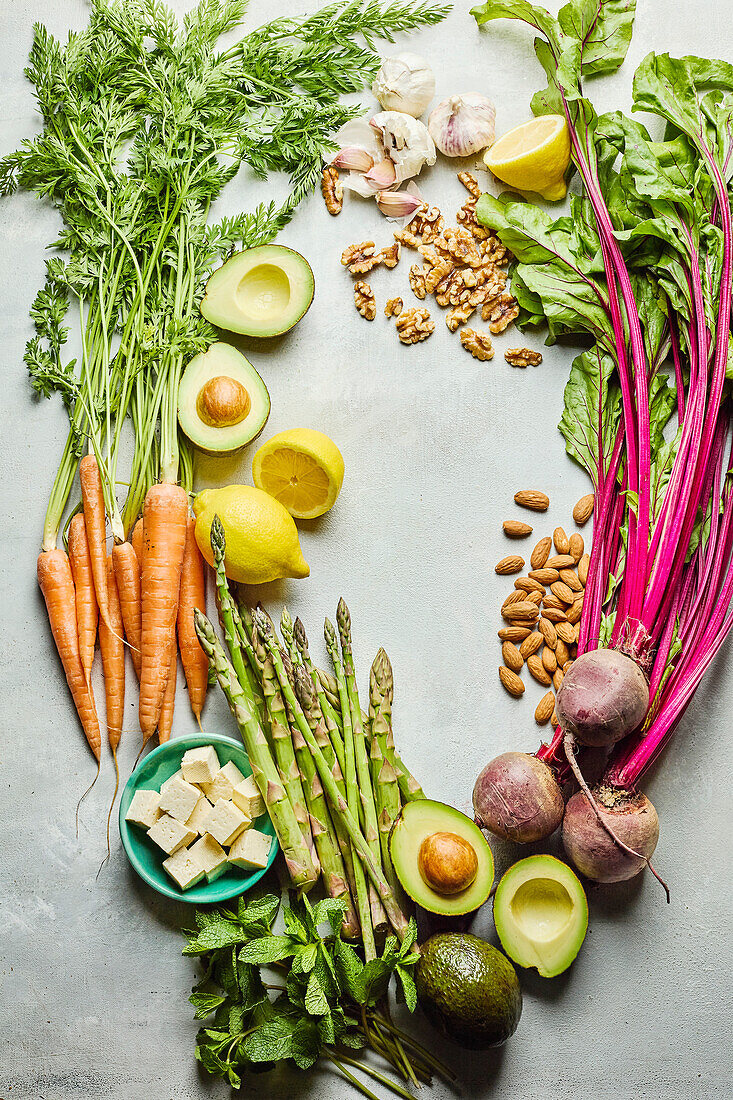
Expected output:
(468, 990)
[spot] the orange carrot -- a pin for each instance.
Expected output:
(112, 645)
(136, 538)
(57, 585)
(87, 613)
(127, 580)
(94, 517)
(164, 541)
(192, 594)
(165, 722)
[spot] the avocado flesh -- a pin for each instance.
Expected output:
(261, 292)
(221, 359)
(468, 990)
(541, 914)
(421, 819)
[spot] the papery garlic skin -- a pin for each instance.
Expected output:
(406, 142)
(463, 124)
(404, 83)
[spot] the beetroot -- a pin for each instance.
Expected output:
(632, 819)
(603, 697)
(517, 797)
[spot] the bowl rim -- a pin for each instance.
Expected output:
(130, 841)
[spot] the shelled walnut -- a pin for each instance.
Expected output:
(414, 326)
(478, 344)
(393, 307)
(504, 312)
(522, 357)
(332, 191)
(364, 300)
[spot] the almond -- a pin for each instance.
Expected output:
(511, 564)
(528, 584)
(544, 576)
(535, 597)
(533, 499)
(571, 580)
(511, 682)
(549, 660)
(583, 510)
(583, 568)
(552, 601)
(554, 720)
(562, 653)
(514, 633)
(566, 633)
(515, 529)
(566, 667)
(517, 596)
(538, 670)
(559, 561)
(561, 590)
(574, 612)
(548, 632)
(577, 546)
(544, 710)
(561, 540)
(524, 612)
(557, 679)
(531, 644)
(541, 553)
(512, 657)
(554, 614)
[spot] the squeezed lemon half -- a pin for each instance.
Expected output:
(533, 157)
(303, 469)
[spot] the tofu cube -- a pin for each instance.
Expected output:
(144, 809)
(250, 850)
(171, 779)
(200, 765)
(223, 783)
(179, 799)
(170, 835)
(197, 820)
(212, 857)
(184, 868)
(225, 821)
(247, 796)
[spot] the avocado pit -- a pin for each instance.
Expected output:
(223, 401)
(447, 862)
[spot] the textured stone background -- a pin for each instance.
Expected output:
(92, 984)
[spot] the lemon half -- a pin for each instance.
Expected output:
(533, 156)
(303, 469)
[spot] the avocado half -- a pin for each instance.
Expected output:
(261, 292)
(468, 990)
(541, 914)
(441, 858)
(223, 404)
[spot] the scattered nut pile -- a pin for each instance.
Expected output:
(463, 269)
(542, 613)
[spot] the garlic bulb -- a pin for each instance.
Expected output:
(404, 83)
(463, 124)
(406, 142)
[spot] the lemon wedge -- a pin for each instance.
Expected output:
(533, 157)
(303, 469)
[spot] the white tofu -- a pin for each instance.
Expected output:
(170, 779)
(197, 820)
(225, 821)
(212, 857)
(170, 835)
(247, 796)
(184, 868)
(250, 850)
(179, 799)
(200, 765)
(144, 809)
(223, 783)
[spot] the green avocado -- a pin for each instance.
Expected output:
(441, 858)
(223, 404)
(468, 990)
(541, 914)
(263, 291)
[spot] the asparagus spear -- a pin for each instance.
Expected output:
(264, 771)
(371, 827)
(332, 725)
(372, 867)
(384, 779)
(329, 687)
(410, 789)
(287, 630)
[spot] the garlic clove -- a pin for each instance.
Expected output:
(463, 124)
(404, 83)
(398, 204)
(353, 158)
(382, 175)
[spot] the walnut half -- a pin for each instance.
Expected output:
(332, 191)
(478, 343)
(393, 307)
(523, 357)
(364, 300)
(415, 325)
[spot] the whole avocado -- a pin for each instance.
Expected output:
(468, 990)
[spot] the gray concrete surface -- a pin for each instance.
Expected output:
(93, 987)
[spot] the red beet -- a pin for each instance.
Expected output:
(517, 797)
(603, 697)
(632, 819)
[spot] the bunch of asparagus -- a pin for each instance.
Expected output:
(329, 773)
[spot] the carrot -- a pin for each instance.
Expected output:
(94, 517)
(165, 722)
(57, 585)
(87, 613)
(192, 595)
(136, 538)
(127, 581)
(112, 645)
(164, 541)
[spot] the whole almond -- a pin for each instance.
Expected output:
(557, 679)
(583, 568)
(583, 510)
(531, 644)
(577, 546)
(570, 578)
(575, 611)
(554, 614)
(548, 632)
(533, 499)
(561, 540)
(512, 657)
(576, 634)
(554, 721)
(544, 710)
(534, 597)
(538, 670)
(561, 590)
(528, 584)
(541, 553)
(566, 633)
(544, 576)
(514, 633)
(524, 612)
(514, 597)
(552, 601)
(515, 529)
(511, 564)
(559, 561)
(562, 653)
(566, 666)
(549, 660)
(511, 682)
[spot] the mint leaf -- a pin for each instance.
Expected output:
(294, 926)
(331, 910)
(268, 949)
(272, 1041)
(260, 911)
(306, 1042)
(304, 959)
(349, 970)
(214, 936)
(316, 1003)
(406, 983)
(205, 1004)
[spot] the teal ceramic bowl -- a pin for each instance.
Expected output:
(147, 858)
